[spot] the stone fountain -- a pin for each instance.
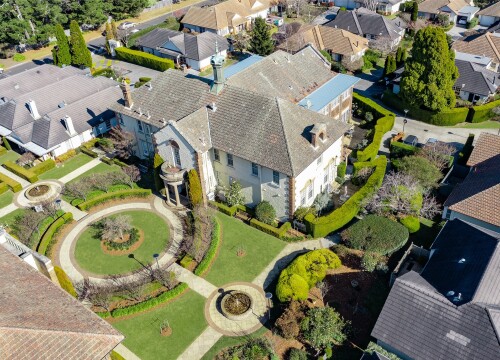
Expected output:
(236, 305)
(41, 192)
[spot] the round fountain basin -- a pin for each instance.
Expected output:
(42, 192)
(236, 305)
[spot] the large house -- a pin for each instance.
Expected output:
(459, 11)
(370, 25)
(484, 45)
(450, 307)
(476, 199)
(383, 6)
(49, 110)
(276, 125)
(227, 17)
(475, 83)
(490, 15)
(192, 50)
(340, 44)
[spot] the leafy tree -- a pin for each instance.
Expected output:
(322, 327)
(195, 191)
(421, 169)
(431, 72)
(414, 11)
(261, 42)
(92, 13)
(234, 195)
(123, 142)
(321, 202)
(61, 53)
(80, 55)
(297, 354)
(265, 212)
(123, 9)
(133, 174)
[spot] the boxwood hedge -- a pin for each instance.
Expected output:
(52, 229)
(144, 59)
(11, 183)
(271, 230)
(121, 194)
(204, 265)
(20, 171)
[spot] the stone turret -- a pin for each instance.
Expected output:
(217, 61)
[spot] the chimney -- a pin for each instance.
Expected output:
(217, 61)
(33, 109)
(213, 107)
(318, 133)
(127, 95)
(68, 123)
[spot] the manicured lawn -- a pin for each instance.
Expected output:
(66, 167)
(259, 248)
(482, 125)
(9, 218)
(6, 198)
(9, 156)
(91, 258)
(142, 332)
(101, 168)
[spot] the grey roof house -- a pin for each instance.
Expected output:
(184, 48)
(475, 82)
(369, 24)
(49, 110)
(451, 310)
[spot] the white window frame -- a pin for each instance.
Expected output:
(310, 191)
(302, 197)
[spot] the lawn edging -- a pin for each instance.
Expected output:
(207, 261)
(48, 236)
(121, 194)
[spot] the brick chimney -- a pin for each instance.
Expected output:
(127, 94)
(318, 134)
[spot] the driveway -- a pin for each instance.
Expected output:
(368, 84)
(456, 32)
(132, 71)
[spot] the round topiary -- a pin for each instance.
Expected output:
(291, 287)
(265, 212)
(412, 223)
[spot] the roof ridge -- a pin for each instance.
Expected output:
(493, 46)
(10, 328)
(495, 328)
(473, 195)
(438, 297)
(358, 25)
(276, 99)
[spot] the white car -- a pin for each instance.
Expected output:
(133, 31)
(126, 25)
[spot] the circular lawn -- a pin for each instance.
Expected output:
(90, 256)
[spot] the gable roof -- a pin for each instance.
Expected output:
(476, 79)
(363, 21)
(436, 6)
(487, 44)
(487, 146)
(337, 41)
(156, 38)
(423, 323)
(492, 10)
(39, 320)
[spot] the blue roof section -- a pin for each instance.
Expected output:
(468, 10)
(328, 91)
(239, 66)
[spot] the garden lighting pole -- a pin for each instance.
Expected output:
(131, 256)
(269, 296)
(405, 121)
(155, 256)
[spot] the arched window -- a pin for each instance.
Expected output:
(176, 153)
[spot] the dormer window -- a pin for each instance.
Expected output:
(318, 134)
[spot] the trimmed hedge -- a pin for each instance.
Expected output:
(324, 225)
(271, 230)
(369, 105)
(11, 183)
(400, 150)
(88, 152)
(223, 208)
(464, 155)
(65, 281)
(482, 113)
(6, 143)
(144, 59)
(412, 223)
(50, 232)
(341, 169)
(3, 187)
(204, 265)
(2, 150)
(121, 194)
(186, 261)
(20, 171)
(43, 167)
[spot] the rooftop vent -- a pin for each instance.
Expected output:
(16, 86)
(461, 261)
(457, 298)
(450, 293)
(61, 105)
(213, 107)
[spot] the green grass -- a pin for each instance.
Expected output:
(259, 248)
(66, 167)
(6, 198)
(101, 168)
(142, 333)
(9, 156)
(9, 218)
(91, 258)
(483, 125)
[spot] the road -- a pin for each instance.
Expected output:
(98, 42)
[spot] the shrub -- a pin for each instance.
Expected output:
(376, 234)
(400, 150)
(51, 231)
(472, 23)
(421, 169)
(464, 155)
(412, 223)
(204, 265)
(3, 150)
(384, 125)
(186, 261)
(121, 194)
(271, 230)
(341, 170)
(322, 226)
(43, 166)
(6, 143)
(195, 190)
(297, 354)
(19, 57)
(3, 187)
(144, 59)
(157, 162)
(11, 183)
(265, 212)
(482, 113)
(304, 272)
(288, 324)
(20, 171)
(234, 195)
(115, 356)
(370, 260)
(65, 281)
(66, 156)
(223, 208)
(323, 326)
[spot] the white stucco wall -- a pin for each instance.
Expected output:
(186, 151)
(72, 143)
(144, 139)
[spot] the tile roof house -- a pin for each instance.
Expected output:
(39, 320)
(340, 44)
(370, 25)
(227, 17)
(450, 310)
(476, 199)
(49, 110)
(184, 48)
(459, 11)
(486, 45)
(475, 82)
(249, 126)
(382, 6)
(490, 15)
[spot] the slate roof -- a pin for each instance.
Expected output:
(476, 79)
(39, 320)
(363, 21)
(487, 146)
(156, 38)
(57, 93)
(487, 44)
(337, 41)
(373, 356)
(492, 10)
(421, 320)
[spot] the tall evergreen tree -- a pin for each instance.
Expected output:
(114, 30)
(404, 55)
(399, 54)
(61, 52)
(390, 65)
(414, 12)
(430, 73)
(261, 42)
(80, 55)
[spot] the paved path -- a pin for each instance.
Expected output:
(82, 169)
(126, 353)
(195, 283)
(10, 174)
(8, 209)
(201, 345)
(77, 213)
(177, 228)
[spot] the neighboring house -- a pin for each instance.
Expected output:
(485, 45)
(383, 6)
(490, 15)
(450, 309)
(370, 25)
(228, 17)
(49, 110)
(459, 11)
(476, 199)
(340, 44)
(193, 50)
(475, 82)
(248, 126)
(39, 320)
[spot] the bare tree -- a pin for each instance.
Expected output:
(26, 159)
(49, 208)
(353, 65)
(382, 43)
(165, 277)
(114, 227)
(129, 290)
(240, 41)
(117, 178)
(438, 153)
(98, 295)
(123, 142)
(26, 225)
(77, 190)
(99, 181)
(370, 4)
(133, 174)
(324, 288)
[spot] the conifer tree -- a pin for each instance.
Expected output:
(390, 65)
(399, 54)
(261, 42)
(414, 12)
(61, 52)
(80, 55)
(114, 30)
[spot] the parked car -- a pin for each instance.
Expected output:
(126, 25)
(133, 31)
(411, 140)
